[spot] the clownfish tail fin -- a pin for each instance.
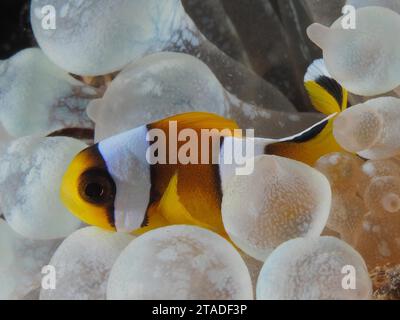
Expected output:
(326, 94)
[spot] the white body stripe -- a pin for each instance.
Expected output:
(125, 157)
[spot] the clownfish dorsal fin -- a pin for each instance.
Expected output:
(197, 120)
(326, 94)
(171, 208)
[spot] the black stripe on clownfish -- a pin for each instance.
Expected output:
(332, 87)
(308, 135)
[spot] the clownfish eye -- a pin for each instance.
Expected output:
(94, 190)
(97, 187)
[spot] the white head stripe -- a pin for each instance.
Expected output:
(125, 157)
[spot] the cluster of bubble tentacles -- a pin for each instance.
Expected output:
(280, 249)
(365, 177)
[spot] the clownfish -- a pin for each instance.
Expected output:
(116, 185)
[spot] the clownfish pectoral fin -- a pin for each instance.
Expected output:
(171, 208)
(326, 94)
